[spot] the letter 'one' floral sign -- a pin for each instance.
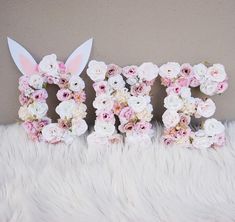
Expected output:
(123, 100)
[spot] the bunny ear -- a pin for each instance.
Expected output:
(79, 58)
(22, 58)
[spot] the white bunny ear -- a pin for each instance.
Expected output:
(22, 58)
(79, 58)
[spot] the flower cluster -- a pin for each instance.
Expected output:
(33, 95)
(131, 104)
(181, 106)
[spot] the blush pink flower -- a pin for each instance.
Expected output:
(222, 87)
(194, 82)
(140, 89)
(101, 87)
(166, 82)
(219, 140)
(64, 94)
(168, 140)
(126, 114)
(23, 83)
(40, 95)
(126, 128)
(62, 68)
(79, 97)
(23, 99)
(173, 90)
(130, 71)
(186, 70)
(142, 127)
(183, 82)
(117, 107)
(64, 80)
(106, 116)
(184, 120)
(113, 70)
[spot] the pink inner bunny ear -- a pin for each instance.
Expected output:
(22, 58)
(79, 58)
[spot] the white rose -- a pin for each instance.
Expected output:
(170, 118)
(96, 70)
(206, 108)
(52, 133)
(49, 65)
(169, 70)
(132, 81)
(24, 113)
(79, 126)
(208, 87)
(137, 103)
(36, 81)
(173, 102)
(213, 127)
(147, 71)
(217, 73)
(66, 108)
(76, 84)
(104, 128)
(38, 109)
(200, 72)
(185, 92)
(201, 140)
(80, 111)
(103, 101)
(116, 82)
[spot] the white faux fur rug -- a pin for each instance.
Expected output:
(56, 183)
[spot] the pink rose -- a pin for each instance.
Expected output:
(126, 114)
(106, 116)
(183, 82)
(222, 86)
(219, 140)
(40, 95)
(64, 94)
(28, 126)
(166, 82)
(23, 83)
(130, 71)
(142, 127)
(173, 90)
(62, 67)
(194, 82)
(125, 128)
(101, 87)
(113, 70)
(23, 99)
(186, 69)
(140, 89)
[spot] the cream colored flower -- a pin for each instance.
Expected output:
(97, 70)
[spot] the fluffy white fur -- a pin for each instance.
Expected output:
(56, 183)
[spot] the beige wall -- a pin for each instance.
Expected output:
(125, 32)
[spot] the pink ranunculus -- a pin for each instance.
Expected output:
(142, 127)
(130, 71)
(126, 128)
(173, 90)
(219, 140)
(40, 95)
(166, 82)
(23, 99)
(183, 82)
(100, 87)
(186, 70)
(140, 89)
(184, 119)
(113, 70)
(28, 126)
(222, 86)
(62, 68)
(194, 82)
(105, 115)
(126, 114)
(64, 94)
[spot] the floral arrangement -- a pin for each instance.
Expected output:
(34, 108)
(33, 94)
(130, 103)
(181, 106)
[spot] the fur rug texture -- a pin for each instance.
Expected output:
(59, 183)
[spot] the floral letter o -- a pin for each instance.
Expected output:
(33, 94)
